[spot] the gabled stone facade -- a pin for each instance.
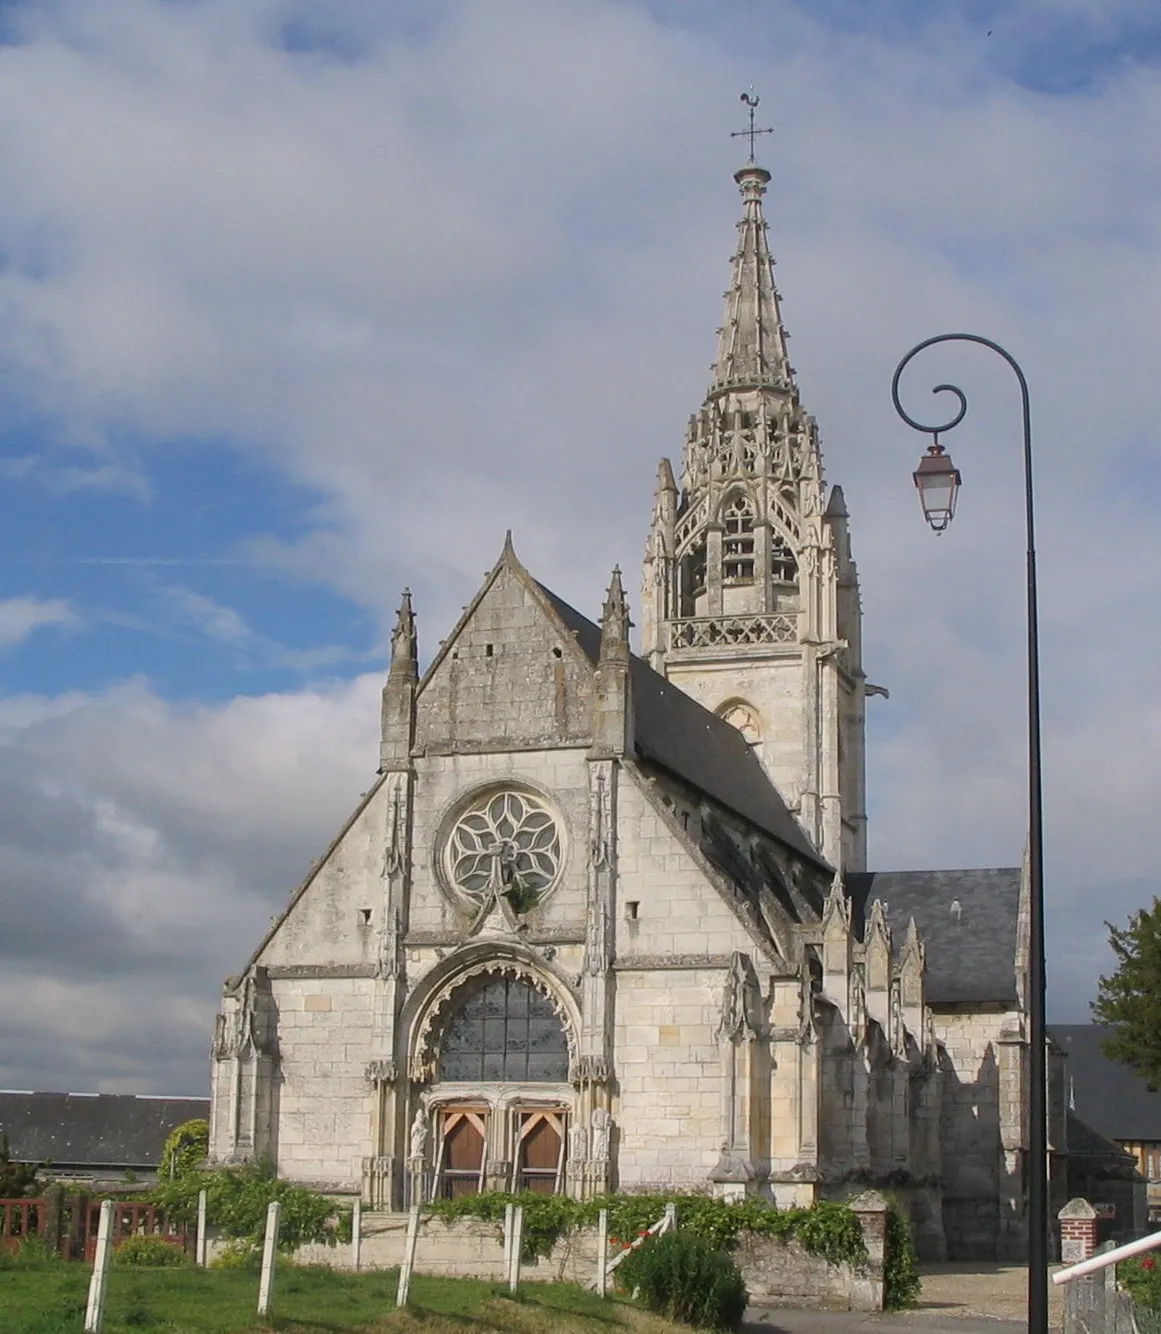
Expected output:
(601, 922)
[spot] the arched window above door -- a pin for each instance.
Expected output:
(502, 1030)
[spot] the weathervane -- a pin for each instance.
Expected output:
(751, 100)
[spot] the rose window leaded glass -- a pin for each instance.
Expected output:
(505, 843)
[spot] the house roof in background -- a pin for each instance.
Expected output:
(93, 1129)
(967, 922)
(1104, 1093)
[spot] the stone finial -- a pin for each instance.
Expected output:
(397, 717)
(404, 644)
(615, 620)
(665, 478)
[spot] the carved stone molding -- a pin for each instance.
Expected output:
(589, 1070)
(379, 1073)
(658, 962)
(320, 972)
(426, 1054)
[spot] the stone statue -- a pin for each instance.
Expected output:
(577, 1143)
(602, 1130)
(419, 1133)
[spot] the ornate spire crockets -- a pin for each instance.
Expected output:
(752, 341)
(750, 597)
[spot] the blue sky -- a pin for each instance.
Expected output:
(298, 310)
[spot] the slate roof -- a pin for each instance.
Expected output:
(1104, 1093)
(93, 1130)
(674, 731)
(1084, 1141)
(971, 954)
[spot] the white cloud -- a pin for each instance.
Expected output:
(19, 617)
(146, 847)
(465, 278)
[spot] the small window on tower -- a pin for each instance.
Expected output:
(738, 540)
(783, 566)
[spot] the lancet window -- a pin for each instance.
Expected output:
(693, 579)
(738, 540)
(783, 565)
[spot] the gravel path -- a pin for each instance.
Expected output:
(964, 1298)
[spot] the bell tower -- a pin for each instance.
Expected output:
(750, 599)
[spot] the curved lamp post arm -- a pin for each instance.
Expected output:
(1038, 1184)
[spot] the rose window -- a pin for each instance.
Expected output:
(505, 844)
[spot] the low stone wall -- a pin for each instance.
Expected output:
(777, 1273)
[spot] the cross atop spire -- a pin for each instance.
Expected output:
(751, 99)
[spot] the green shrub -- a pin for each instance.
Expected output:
(1141, 1277)
(185, 1149)
(150, 1253)
(236, 1203)
(901, 1281)
(684, 1277)
(237, 1255)
(33, 1252)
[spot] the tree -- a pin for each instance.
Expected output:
(185, 1149)
(1129, 1001)
(17, 1180)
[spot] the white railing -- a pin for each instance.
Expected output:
(666, 1223)
(1106, 1258)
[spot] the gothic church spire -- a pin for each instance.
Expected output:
(752, 341)
(750, 598)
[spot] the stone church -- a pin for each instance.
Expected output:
(603, 921)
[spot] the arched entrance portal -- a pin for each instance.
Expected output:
(500, 1099)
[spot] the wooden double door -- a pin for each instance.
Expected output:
(539, 1140)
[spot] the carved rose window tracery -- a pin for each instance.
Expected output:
(504, 843)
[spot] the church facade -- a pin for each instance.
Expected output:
(604, 921)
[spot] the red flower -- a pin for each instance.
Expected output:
(1148, 1263)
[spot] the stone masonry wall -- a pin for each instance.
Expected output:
(324, 1102)
(776, 1273)
(977, 1209)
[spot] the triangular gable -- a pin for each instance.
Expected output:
(509, 676)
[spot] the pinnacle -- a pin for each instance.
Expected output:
(752, 340)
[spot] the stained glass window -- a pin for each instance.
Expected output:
(504, 843)
(504, 1030)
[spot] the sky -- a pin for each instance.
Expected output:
(300, 305)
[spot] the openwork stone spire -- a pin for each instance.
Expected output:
(750, 598)
(752, 342)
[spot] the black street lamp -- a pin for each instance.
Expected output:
(938, 480)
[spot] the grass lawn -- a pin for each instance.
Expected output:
(50, 1299)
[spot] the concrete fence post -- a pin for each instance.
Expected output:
(200, 1244)
(517, 1247)
(95, 1309)
(509, 1215)
(357, 1235)
(602, 1252)
(405, 1268)
(269, 1250)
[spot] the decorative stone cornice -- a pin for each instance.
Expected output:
(644, 963)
